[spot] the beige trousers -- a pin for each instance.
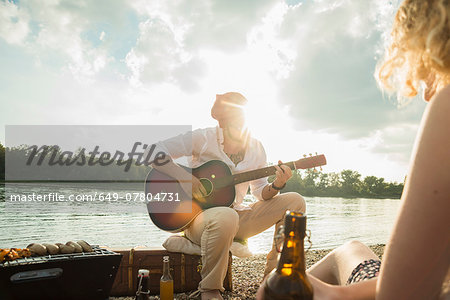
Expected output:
(215, 228)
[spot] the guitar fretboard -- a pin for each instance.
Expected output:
(256, 174)
(249, 175)
(304, 163)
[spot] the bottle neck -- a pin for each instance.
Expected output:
(166, 268)
(144, 283)
(166, 272)
(292, 259)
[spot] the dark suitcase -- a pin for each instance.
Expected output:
(184, 268)
(87, 275)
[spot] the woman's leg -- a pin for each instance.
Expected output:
(337, 266)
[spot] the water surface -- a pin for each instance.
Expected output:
(332, 221)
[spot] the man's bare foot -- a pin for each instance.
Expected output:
(211, 295)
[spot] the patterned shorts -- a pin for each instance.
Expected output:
(365, 270)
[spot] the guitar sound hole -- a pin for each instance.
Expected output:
(207, 184)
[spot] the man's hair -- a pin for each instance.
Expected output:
(228, 106)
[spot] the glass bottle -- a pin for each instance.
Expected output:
(142, 292)
(166, 282)
(289, 280)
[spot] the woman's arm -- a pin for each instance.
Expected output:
(417, 256)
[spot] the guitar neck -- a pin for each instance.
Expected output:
(304, 163)
(256, 174)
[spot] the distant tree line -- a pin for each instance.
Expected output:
(346, 184)
(2, 162)
(96, 171)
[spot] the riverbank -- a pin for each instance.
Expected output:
(247, 274)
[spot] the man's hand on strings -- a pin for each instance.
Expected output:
(283, 173)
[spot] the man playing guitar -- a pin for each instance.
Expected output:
(215, 228)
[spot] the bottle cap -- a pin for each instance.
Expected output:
(143, 272)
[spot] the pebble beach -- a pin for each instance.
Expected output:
(248, 273)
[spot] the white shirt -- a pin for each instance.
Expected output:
(202, 145)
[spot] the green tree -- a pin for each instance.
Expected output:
(350, 183)
(295, 183)
(373, 186)
(310, 182)
(394, 190)
(347, 183)
(334, 180)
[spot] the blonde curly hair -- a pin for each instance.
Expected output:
(419, 52)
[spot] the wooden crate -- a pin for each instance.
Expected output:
(184, 268)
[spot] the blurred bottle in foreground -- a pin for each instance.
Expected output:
(289, 280)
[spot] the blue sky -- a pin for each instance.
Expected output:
(305, 66)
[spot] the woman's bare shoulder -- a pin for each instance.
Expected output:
(441, 101)
(437, 119)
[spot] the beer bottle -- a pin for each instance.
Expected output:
(166, 282)
(142, 292)
(289, 280)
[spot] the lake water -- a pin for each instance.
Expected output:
(332, 221)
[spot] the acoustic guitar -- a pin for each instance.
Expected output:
(171, 209)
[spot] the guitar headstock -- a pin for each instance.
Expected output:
(310, 162)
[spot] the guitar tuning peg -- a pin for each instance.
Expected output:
(321, 168)
(316, 154)
(310, 154)
(315, 170)
(304, 155)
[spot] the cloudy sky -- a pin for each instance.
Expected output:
(305, 66)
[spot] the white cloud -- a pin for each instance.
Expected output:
(209, 23)
(322, 56)
(14, 27)
(175, 35)
(61, 31)
(331, 84)
(66, 35)
(159, 56)
(275, 54)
